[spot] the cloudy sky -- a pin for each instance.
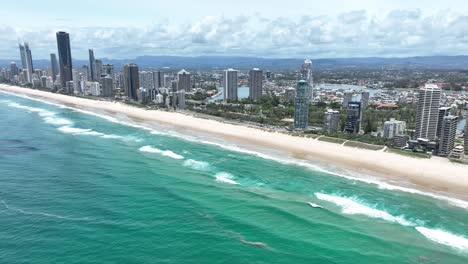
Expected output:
(265, 28)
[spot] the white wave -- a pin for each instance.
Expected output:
(43, 213)
(74, 130)
(226, 178)
(444, 237)
(197, 165)
(350, 206)
(364, 179)
(166, 153)
(57, 121)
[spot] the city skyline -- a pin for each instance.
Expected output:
(312, 30)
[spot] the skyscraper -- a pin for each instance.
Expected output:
(183, 81)
(447, 135)
(108, 70)
(353, 117)
(65, 59)
(23, 56)
(107, 85)
(158, 79)
(28, 63)
(255, 83)
(54, 66)
(97, 70)
(301, 105)
(443, 112)
(131, 81)
(347, 97)
(365, 99)
(306, 74)
(229, 83)
(332, 119)
(13, 69)
(91, 64)
(466, 137)
(427, 112)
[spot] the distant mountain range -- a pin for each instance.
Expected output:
(243, 63)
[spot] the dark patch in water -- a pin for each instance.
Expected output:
(14, 146)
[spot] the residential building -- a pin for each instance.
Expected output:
(255, 83)
(54, 66)
(107, 86)
(353, 117)
(427, 112)
(457, 153)
(301, 105)
(108, 70)
(131, 81)
(443, 112)
(447, 136)
(92, 65)
(332, 120)
(184, 81)
(65, 59)
(229, 82)
(393, 128)
(347, 98)
(365, 96)
(306, 74)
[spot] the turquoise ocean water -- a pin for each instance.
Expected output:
(80, 188)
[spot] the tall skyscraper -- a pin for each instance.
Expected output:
(427, 112)
(108, 70)
(23, 56)
(54, 66)
(131, 81)
(347, 97)
(158, 79)
(443, 112)
(301, 105)
(184, 81)
(466, 136)
(229, 83)
(255, 83)
(107, 85)
(91, 65)
(353, 117)
(65, 59)
(28, 63)
(447, 135)
(306, 74)
(97, 70)
(13, 69)
(365, 99)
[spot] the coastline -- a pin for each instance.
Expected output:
(434, 175)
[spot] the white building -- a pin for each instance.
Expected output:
(393, 128)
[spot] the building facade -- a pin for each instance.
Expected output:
(332, 120)
(54, 66)
(229, 82)
(427, 112)
(184, 81)
(393, 127)
(447, 136)
(443, 112)
(365, 96)
(301, 105)
(353, 117)
(347, 97)
(65, 59)
(255, 84)
(91, 64)
(131, 81)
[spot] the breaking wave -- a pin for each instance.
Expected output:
(197, 165)
(444, 237)
(166, 153)
(226, 178)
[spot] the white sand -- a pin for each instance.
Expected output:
(435, 174)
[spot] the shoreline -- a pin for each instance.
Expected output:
(435, 175)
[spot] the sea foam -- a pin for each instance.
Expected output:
(197, 165)
(350, 206)
(444, 237)
(226, 178)
(166, 153)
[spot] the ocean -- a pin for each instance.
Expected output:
(83, 187)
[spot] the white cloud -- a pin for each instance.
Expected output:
(353, 34)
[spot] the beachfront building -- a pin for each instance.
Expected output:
(447, 136)
(365, 96)
(26, 61)
(107, 86)
(65, 59)
(255, 83)
(353, 117)
(54, 66)
(146, 79)
(131, 81)
(158, 79)
(229, 82)
(108, 70)
(97, 69)
(443, 112)
(457, 153)
(184, 81)
(466, 137)
(332, 120)
(23, 56)
(427, 112)
(92, 65)
(347, 97)
(301, 105)
(393, 127)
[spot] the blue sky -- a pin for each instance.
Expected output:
(292, 28)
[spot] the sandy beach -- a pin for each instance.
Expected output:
(435, 174)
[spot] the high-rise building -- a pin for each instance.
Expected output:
(158, 79)
(268, 74)
(13, 69)
(146, 79)
(301, 105)
(365, 95)
(54, 66)
(306, 74)
(23, 56)
(427, 112)
(91, 64)
(447, 136)
(347, 97)
(183, 81)
(108, 70)
(97, 70)
(76, 82)
(65, 59)
(107, 86)
(229, 82)
(332, 120)
(131, 81)
(466, 136)
(353, 117)
(393, 127)
(443, 112)
(255, 83)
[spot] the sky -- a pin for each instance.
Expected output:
(125, 29)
